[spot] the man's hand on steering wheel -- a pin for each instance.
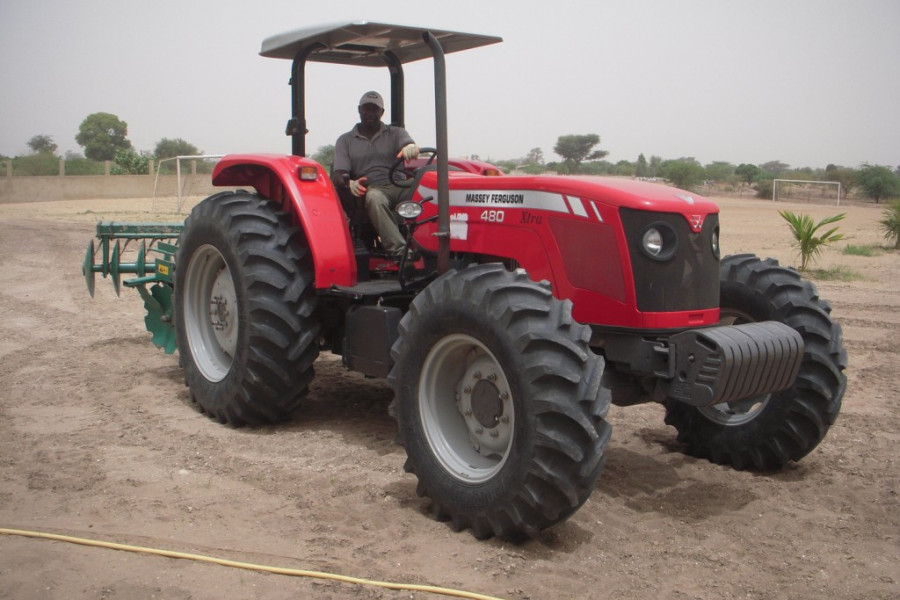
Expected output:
(409, 152)
(409, 173)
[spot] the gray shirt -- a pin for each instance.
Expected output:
(360, 156)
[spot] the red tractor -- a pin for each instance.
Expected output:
(534, 304)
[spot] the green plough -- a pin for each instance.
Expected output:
(136, 240)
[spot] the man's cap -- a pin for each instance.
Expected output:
(372, 98)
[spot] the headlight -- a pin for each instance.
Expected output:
(714, 242)
(659, 241)
(409, 210)
(653, 241)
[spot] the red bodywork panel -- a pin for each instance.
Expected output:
(315, 205)
(566, 230)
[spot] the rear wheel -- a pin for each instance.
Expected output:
(768, 431)
(244, 302)
(499, 403)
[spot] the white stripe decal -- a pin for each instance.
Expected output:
(527, 199)
(577, 206)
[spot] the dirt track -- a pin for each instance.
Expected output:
(98, 439)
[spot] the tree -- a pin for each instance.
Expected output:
(166, 148)
(844, 175)
(641, 168)
(101, 134)
(535, 156)
(577, 148)
(775, 167)
(42, 144)
(747, 172)
(805, 239)
(684, 172)
(324, 155)
(625, 167)
(719, 171)
(877, 182)
(655, 166)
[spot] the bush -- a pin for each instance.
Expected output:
(36, 164)
(683, 174)
(764, 187)
(129, 162)
(84, 166)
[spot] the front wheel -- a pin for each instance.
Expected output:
(499, 403)
(768, 431)
(244, 309)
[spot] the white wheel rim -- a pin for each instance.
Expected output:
(210, 313)
(466, 408)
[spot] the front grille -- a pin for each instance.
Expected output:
(689, 280)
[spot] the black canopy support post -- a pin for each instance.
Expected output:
(440, 122)
(297, 125)
(398, 107)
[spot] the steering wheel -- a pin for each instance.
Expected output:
(409, 173)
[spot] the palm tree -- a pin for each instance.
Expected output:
(890, 223)
(805, 238)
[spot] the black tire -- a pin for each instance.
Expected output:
(244, 309)
(767, 432)
(525, 377)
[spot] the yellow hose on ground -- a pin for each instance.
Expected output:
(249, 566)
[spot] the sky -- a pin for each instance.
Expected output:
(804, 82)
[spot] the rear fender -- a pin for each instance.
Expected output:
(314, 203)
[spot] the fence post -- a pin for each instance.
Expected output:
(62, 167)
(106, 168)
(9, 168)
(150, 167)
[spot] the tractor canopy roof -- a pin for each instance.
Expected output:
(362, 43)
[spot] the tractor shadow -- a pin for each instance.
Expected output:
(347, 404)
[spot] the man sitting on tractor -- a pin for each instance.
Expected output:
(362, 161)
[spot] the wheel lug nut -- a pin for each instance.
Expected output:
(494, 433)
(492, 377)
(477, 374)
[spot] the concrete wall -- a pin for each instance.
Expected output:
(85, 187)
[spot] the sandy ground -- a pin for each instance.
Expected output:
(98, 439)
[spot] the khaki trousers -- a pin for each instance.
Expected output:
(380, 202)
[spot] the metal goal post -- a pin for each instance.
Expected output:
(788, 183)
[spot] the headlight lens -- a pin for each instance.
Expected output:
(659, 241)
(714, 241)
(409, 210)
(653, 242)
